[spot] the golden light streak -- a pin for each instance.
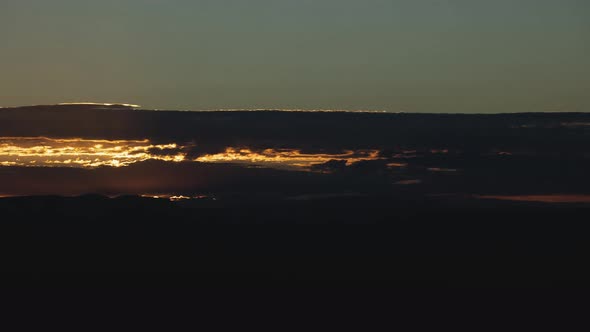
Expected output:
(285, 158)
(177, 198)
(42, 151)
(100, 104)
(92, 153)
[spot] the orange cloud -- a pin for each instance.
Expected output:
(42, 151)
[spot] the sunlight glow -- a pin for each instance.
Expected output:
(177, 198)
(285, 158)
(116, 105)
(92, 153)
(47, 152)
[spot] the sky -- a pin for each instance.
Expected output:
(472, 56)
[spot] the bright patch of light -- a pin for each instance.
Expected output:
(47, 152)
(99, 104)
(285, 158)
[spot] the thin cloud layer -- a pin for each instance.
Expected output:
(89, 148)
(91, 153)
(50, 152)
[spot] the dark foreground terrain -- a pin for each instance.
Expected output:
(94, 241)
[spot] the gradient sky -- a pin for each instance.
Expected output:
(395, 55)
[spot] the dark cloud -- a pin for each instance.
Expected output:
(211, 132)
(153, 177)
(166, 151)
(330, 166)
(359, 152)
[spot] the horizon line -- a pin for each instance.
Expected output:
(128, 106)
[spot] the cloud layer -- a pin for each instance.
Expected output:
(77, 149)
